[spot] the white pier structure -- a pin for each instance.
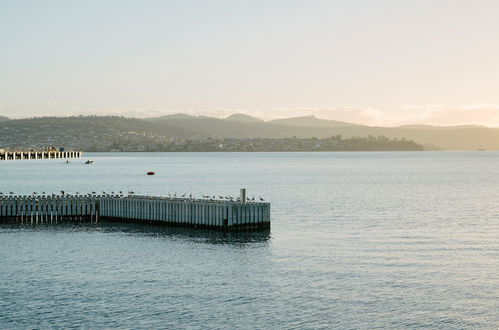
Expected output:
(39, 154)
(197, 213)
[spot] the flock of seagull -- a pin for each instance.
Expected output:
(131, 193)
(213, 198)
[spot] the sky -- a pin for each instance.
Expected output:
(372, 62)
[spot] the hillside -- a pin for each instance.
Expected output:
(311, 121)
(241, 117)
(86, 133)
(104, 133)
(3, 118)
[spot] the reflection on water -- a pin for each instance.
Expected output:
(151, 230)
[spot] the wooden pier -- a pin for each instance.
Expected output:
(197, 213)
(39, 154)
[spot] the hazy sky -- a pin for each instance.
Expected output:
(374, 62)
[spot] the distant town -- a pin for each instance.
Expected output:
(114, 134)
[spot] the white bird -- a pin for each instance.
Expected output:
(261, 199)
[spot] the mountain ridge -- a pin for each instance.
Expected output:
(45, 130)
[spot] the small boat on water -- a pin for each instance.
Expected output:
(90, 162)
(150, 173)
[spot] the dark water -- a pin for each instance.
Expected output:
(358, 240)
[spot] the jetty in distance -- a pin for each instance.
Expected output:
(49, 153)
(212, 213)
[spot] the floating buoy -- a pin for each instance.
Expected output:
(150, 173)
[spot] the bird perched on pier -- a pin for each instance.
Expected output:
(184, 195)
(11, 193)
(190, 196)
(261, 199)
(93, 192)
(34, 193)
(62, 192)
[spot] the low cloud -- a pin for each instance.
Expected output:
(429, 114)
(426, 114)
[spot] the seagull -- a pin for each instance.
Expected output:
(175, 195)
(190, 196)
(184, 195)
(34, 193)
(261, 199)
(93, 192)
(62, 192)
(11, 193)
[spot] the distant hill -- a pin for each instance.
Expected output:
(241, 117)
(3, 118)
(175, 116)
(98, 133)
(104, 132)
(311, 121)
(467, 137)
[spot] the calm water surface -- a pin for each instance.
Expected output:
(358, 240)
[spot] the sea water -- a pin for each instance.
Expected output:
(358, 240)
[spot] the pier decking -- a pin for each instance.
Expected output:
(38, 154)
(197, 213)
